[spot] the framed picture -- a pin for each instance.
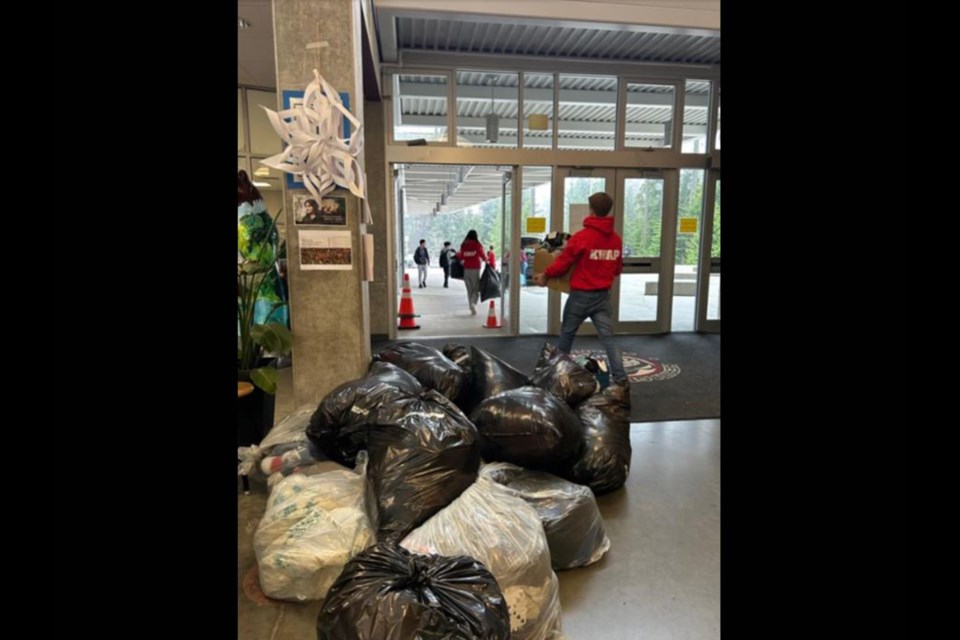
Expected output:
(331, 210)
(292, 99)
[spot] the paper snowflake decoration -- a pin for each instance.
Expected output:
(315, 153)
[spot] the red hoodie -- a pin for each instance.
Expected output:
(596, 254)
(471, 254)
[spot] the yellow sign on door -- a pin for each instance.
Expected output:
(688, 225)
(536, 225)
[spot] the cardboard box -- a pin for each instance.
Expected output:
(543, 259)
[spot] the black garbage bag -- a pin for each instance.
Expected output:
(529, 427)
(423, 453)
(489, 375)
(459, 354)
(569, 513)
(339, 425)
(388, 593)
(558, 373)
(489, 284)
(456, 268)
(605, 462)
(430, 367)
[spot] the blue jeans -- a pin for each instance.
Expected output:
(596, 306)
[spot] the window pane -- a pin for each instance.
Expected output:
(638, 297)
(695, 110)
(642, 217)
(649, 115)
(538, 111)
(691, 205)
(423, 108)
(480, 95)
(535, 203)
(716, 144)
(588, 112)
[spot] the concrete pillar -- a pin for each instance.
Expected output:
(329, 310)
(382, 289)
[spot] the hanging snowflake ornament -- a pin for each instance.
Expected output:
(315, 153)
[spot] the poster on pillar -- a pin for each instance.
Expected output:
(330, 210)
(325, 250)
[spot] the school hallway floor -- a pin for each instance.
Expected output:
(660, 579)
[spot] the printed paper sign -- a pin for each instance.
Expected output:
(688, 225)
(536, 225)
(325, 250)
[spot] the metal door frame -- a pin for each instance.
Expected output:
(707, 265)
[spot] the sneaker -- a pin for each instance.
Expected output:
(419, 286)
(473, 310)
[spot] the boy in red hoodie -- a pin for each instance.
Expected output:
(596, 255)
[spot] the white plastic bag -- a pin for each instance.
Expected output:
(312, 527)
(492, 524)
(287, 441)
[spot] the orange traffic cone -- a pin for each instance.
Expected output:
(492, 321)
(406, 314)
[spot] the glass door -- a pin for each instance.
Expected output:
(572, 189)
(645, 219)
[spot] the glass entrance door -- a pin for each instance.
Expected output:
(645, 219)
(645, 204)
(572, 189)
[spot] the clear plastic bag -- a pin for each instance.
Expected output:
(312, 526)
(491, 523)
(288, 437)
(569, 513)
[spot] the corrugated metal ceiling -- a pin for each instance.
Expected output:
(428, 34)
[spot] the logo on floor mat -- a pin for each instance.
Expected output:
(638, 369)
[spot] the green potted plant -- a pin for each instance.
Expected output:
(260, 340)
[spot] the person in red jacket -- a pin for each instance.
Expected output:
(471, 255)
(596, 255)
(492, 259)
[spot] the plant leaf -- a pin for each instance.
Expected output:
(266, 378)
(273, 337)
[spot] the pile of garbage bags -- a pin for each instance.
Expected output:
(474, 483)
